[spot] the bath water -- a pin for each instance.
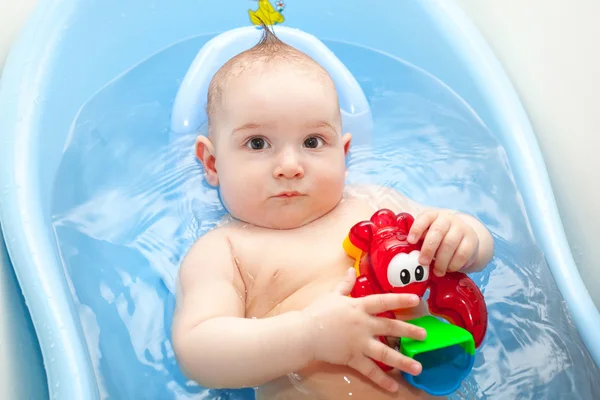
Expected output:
(129, 200)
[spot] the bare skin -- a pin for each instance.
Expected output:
(267, 273)
(263, 300)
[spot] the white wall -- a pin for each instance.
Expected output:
(12, 15)
(551, 51)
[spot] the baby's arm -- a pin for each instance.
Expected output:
(218, 347)
(215, 344)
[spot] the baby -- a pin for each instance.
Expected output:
(263, 299)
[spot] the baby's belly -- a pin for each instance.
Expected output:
(326, 381)
(333, 382)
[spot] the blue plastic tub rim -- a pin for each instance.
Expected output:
(31, 246)
(523, 150)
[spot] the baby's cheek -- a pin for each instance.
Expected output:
(238, 192)
(331, 181)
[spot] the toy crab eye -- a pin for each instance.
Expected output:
(405, 276)
(405, 269)
(419, 273)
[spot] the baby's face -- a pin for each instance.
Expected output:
(279, 150)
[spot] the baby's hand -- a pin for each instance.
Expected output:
(344, 331)
(450, 240)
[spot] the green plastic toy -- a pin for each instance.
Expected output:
(447, 355)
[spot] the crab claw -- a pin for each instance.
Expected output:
(457, 298)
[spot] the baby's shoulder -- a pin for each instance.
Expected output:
(215, 235)
(212, 247)
(369, 189)
(379, 196)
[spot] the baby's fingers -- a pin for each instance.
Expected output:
(397, 328)
(448, 247)
(464, 254)
(344, 287)
(385, 354)
(436, 233)
(380, 303)
(369, 369)
(421, 224)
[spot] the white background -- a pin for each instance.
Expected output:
(551, 51)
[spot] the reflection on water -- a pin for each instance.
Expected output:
(129, 200)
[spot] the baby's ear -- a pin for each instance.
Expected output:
(205, 151)
(346, 139)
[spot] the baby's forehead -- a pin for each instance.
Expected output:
(253, 67)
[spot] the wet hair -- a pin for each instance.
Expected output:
(269, 49)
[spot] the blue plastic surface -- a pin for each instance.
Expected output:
(190, 103)
(443, 370)
(20, 352)
(67, 52)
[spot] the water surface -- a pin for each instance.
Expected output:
(129, 200)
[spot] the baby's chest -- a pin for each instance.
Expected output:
(288, 271)
(289, 260)
(289, 277)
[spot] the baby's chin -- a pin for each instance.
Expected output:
(281, 219)
(282, 223)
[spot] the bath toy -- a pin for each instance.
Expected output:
(385, 262)
(66, 79)
(279, 5)
(267, 14)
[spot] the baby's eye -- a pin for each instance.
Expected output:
(313, 142)
(257, 143)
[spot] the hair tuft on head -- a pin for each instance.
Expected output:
(268, 49)
(269, 39)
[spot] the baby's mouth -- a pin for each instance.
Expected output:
(288, 194)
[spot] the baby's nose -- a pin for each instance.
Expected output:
(289, 166)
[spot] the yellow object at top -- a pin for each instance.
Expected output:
(265, 13)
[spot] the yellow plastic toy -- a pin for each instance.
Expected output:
(355, 253)
(265, 13)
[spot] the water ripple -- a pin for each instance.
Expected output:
(129, 200)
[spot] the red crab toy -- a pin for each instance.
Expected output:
(392, 266)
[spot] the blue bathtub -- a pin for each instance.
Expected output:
(70, 49)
